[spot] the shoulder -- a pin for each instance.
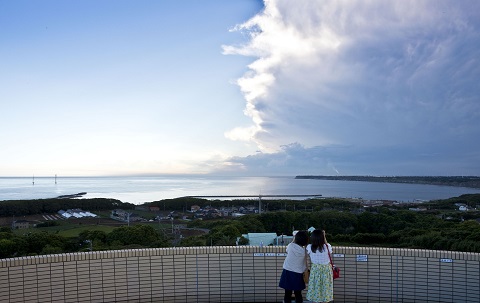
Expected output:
(296, 249)
(309, 248)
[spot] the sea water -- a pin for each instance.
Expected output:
(138, 190)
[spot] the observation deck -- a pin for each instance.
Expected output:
(235, 274)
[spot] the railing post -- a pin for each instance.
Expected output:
(396, 279)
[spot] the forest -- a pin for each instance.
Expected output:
(439, 226)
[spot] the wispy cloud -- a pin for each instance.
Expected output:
(391, 79)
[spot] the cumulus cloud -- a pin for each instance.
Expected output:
(393, 79)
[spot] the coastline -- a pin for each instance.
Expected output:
(454, 181)
(139, 190)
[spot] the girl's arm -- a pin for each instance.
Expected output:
(329, 247)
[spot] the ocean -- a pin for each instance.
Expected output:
(138, 190)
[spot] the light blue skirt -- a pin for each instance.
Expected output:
(320, 285)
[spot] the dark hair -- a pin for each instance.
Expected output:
(301, 238)
(318, 240)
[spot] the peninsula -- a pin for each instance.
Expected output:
(458, 181)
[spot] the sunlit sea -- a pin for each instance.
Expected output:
(138, 190)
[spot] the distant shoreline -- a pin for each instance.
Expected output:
(455, 181)
(138, 190)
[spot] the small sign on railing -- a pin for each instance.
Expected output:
(338, 255)
(362, 258)
(446, 260)
(269, 254)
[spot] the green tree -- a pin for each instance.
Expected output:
(333, 222)
(7, 248)
(194, 241)
(251, 223)
(280, 222)
(369, 238)
(35, 242)
(225, 241)
(48, 250)
(243, 241)
(93, 235)
(225, 234)
(4, 229)
(144, 235)
(375, 223)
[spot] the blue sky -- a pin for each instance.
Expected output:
(239, 87)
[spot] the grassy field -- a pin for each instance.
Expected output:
(75, 231)
(73, 227)
(68, 228)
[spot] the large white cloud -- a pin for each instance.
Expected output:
(397, 80)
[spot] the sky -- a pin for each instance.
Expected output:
(239, 87)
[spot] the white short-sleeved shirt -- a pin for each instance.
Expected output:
(319, 257)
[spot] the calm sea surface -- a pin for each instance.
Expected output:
(138, 190)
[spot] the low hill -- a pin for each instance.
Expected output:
(458, 181)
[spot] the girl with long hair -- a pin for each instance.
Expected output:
(320, 286)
